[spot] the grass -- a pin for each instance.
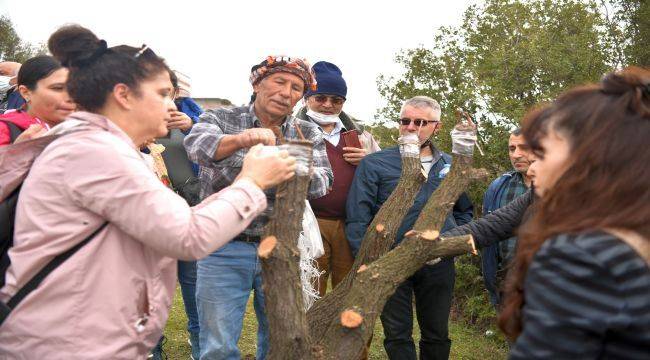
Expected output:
(468, 343)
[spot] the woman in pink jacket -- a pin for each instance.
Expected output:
(41, 82)
(110, 300)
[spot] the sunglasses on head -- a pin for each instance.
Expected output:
(417, 122)
(143, 49)
(335, 100)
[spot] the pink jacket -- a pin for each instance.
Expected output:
(111, 299)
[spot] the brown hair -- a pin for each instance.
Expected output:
(95, 69)
(606, 181)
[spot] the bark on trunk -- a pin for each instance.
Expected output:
(372, 286)
(284, 303)
(377, 241)
(339, 325)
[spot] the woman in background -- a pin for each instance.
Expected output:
(41, 82)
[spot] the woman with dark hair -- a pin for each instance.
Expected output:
(111, 299)
(41, 82)
(579, 286)
(178, 119)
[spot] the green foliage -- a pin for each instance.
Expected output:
(505, 57)
(385, 135)
(522, 53)
(12, 48)
(471, 301)
(633, 19)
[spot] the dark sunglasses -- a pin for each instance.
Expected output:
(417, 122)
(322, 99)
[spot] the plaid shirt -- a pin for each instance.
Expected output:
(202, 142)
(513, 188)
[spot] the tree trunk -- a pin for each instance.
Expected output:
(278, 251)
(340, 324)
(377, 241)
(378, 281)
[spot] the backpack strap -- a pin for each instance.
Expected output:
(637, 242)
(14, 131)
(32, 284)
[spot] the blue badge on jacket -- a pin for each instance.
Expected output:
(444, 171)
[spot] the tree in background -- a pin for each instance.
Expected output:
(12, 48)
(633, 18)
(505, 57)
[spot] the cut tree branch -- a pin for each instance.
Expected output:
(278, 252)
(377, 241)
(377, 282)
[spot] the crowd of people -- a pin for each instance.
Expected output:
(123, 185)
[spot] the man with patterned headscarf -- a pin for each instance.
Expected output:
(218, 143)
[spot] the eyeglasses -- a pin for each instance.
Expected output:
(416, 122)
(335, 100)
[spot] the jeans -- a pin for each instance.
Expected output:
(433, 287)
(225, 280)
(187, 280)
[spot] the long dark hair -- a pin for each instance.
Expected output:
(606, 181)
(95, 69)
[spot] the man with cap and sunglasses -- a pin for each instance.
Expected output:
(324, 107)
(218, 143)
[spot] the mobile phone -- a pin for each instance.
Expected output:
(351, 139)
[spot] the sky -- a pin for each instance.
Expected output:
(217, 42)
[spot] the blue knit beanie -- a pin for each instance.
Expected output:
(329, 80)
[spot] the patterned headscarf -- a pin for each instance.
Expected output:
(275, 64)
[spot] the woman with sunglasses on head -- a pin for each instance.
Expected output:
(579, 286)
(110, 299)
(41, 82)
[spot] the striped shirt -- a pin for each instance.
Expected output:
(202, 142)
(587, 296)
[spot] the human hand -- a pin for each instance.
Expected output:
(254, 136)
(267, 168)
(179, 120)
(32, 132)
(354, 155)
(463, 136)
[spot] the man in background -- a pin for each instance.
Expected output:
(9, 97)
(324, 107)
(502, 191)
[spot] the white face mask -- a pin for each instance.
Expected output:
(322, 119)
(5, 86)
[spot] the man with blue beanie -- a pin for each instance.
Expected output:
(323, 106)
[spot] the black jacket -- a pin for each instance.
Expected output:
(497, 225)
